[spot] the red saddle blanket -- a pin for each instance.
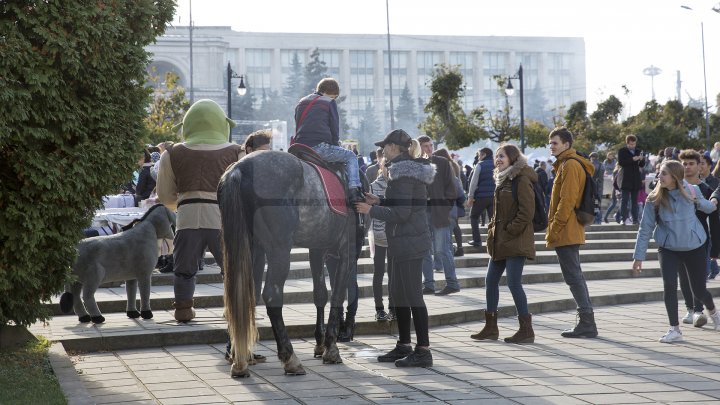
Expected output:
(334, 189)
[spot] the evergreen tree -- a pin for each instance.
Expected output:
(73, 102)
(405, 116)
(368, 130)
(315, 71)
(295, 87)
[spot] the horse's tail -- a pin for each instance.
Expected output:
(237, 263)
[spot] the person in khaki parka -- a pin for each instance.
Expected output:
(511, 241)
(564, 232)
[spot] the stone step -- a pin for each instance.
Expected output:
(474, 257)
(299, 291)
(119, 332)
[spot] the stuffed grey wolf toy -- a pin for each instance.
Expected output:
(128, 256)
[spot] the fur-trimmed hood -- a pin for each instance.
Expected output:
(418, 169)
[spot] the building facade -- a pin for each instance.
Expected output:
(554, 68)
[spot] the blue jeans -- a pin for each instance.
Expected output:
(514, 266)
(569, 259)
(427, 261)
(613, 204)
(337, 154)
(443, 247)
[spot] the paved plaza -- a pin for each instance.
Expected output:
(626, 364)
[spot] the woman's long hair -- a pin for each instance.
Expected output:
(444, 153)
(512, 152)
(659, 195)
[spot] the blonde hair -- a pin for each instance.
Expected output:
(383, 167)
(414, 149)
(659, 195)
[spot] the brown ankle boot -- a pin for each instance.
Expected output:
(490, 331)
(525, 334)
(184, 310)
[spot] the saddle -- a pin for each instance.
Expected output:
(332, 176)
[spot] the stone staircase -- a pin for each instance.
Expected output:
(606, 259)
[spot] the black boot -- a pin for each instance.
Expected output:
(347, 333)
(585, 327)
(418, 358)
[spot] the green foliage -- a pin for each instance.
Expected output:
(167, 109)
(272, 107)
(446, 121)
(72, 104)
(293, 91)
(658, 126)
(315, 71)
(536, 134)
(27, 377)
(405, 116)
(368, 131)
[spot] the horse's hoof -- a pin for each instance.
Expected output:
(146, 314)
(97, 319)
(237, 372)
(133, 314)
(293, 366)
(319, 350)
(332, 356)
(84, 318)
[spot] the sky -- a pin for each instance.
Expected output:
(622, 37)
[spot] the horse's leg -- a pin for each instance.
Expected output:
(337, 298)
(78, 306)
(88, 294)
(144, 284)
(130, 291)
(278, 269)
(320, 297)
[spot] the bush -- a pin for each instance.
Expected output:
(72, 103)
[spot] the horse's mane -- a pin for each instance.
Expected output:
(136, 221)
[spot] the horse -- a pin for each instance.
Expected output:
(274, 201)
(128, 256)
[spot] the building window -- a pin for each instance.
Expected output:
(399, 77)
(494, 64)
(426, 62)
(286, 62)
(258, 63)
(558, 93)
(332, 62)
(362, 88)
(464, 61)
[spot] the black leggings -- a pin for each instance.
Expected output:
(406, 290)
(457, 233)
(693, 263)
(378, 275)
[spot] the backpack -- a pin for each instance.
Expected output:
(586, 212)
(540, 218)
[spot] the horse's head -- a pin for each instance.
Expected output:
(167, 229)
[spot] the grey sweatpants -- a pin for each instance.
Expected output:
(189, 248)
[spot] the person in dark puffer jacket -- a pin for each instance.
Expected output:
(408, 237)
(481, 191)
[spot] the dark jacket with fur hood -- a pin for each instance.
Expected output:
(510, 233)
(403, 208)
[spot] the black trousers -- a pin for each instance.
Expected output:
(692, 263)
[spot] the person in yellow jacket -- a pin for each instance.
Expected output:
(564, 233)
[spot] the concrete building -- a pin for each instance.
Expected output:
(554, 68)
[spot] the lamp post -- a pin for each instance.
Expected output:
(702, 39)
(241, 90)
(510, 91)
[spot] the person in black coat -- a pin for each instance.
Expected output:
(408, 238)
(631, 159)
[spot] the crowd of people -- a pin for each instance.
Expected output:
(417, 195)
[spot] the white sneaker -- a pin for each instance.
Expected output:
(672, 336)
(688, 318)
(716, 319)
(699, 319)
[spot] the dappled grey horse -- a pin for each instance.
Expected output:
(128, 256)
(274, 200)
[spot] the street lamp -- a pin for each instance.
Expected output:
(241, 90)
(510, 91)
(702, 38)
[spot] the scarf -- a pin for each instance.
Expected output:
(500, 176)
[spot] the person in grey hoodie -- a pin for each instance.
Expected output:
(669, 214)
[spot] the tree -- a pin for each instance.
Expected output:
(72, 102)
(405, 115)
(167, 109)
(368, 129)
(658, 126)
(294, 90)
(446, 121)
(315, 71)
(501, 125)
(272, 107)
